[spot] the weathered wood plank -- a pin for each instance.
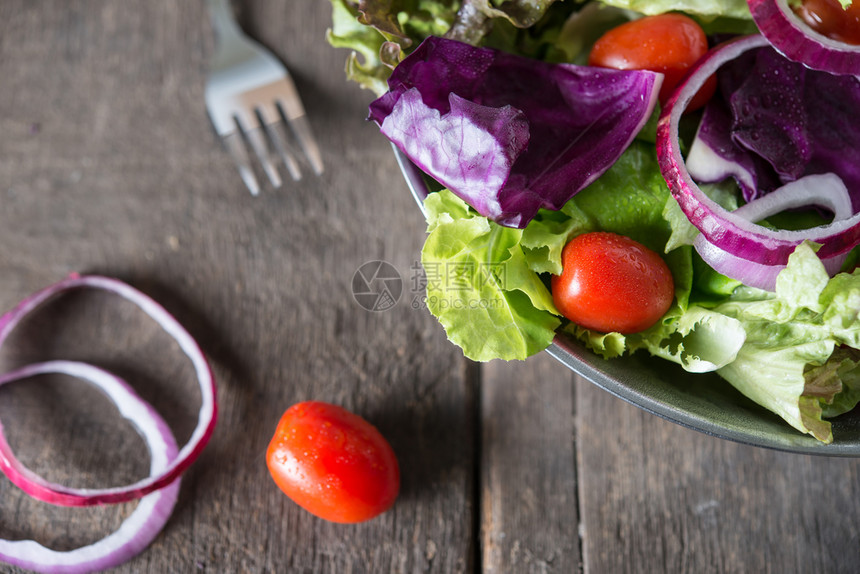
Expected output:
(657, 497)
(529, 514)
(108, 164)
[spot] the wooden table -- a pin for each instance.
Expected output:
(108, 165)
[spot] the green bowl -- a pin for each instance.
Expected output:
(703, 402)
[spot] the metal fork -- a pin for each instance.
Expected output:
(249, 94)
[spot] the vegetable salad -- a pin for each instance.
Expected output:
(730, 161)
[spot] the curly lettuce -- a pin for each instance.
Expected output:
(381, 33)
(480, 286)
(705, 8)
(800, 358)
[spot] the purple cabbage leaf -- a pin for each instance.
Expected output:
(507, 134)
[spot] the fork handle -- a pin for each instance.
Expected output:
(223, 20)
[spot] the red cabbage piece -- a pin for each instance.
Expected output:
(714, 156)
(508, 134)
(775, 121)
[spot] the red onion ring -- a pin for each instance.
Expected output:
(153, 510)
(823, 190)
(61, 495)
(740, 239)
(749, 272)
(795, 40)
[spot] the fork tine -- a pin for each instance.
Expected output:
(249, 123)
(302, 129)
(279, 140)
(257, 139)
(236, 148)
(271, 120)
(291, 106)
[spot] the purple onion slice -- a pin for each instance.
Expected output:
(67, 496)
(797, 41)
(731, 243)
(151, 513)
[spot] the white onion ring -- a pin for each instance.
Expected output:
(823, 190)
(152, 512)
(795, 40)
(61, 495)
(739, 238)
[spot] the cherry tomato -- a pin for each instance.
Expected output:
(827, 17)
(333, 463)
(610, 282)
(667, 43)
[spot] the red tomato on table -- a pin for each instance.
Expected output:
(666, 43)
(333, 463)
(612, 283)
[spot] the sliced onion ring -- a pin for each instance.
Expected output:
(151, 513)
(741, 240)
(795, 40)
(61, 495)
(822, 190)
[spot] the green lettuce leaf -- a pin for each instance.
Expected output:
(584, 27)
(526, 27)
(705, 8)
(629, 198)
(773, 376)
(836, 383)
(479, 285)
(799, 359)
(699, 340)
(546, 235)
(364, 64)
(381, 33)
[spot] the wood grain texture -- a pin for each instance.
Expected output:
(108, 164)
(529, 507)
(657, 497)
